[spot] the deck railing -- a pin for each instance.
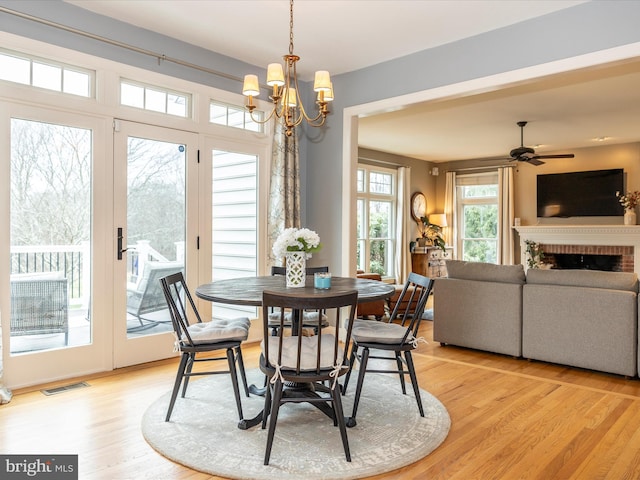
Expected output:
(73, 262)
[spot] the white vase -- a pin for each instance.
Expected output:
(629, 217)
(296, 264)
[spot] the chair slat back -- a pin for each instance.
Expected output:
(181, 305)
(410, 306)
(308, 270)
(294, 353)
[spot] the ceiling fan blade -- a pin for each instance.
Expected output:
(560, 155)
(534, 161)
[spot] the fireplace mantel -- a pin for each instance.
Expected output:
(616, 235)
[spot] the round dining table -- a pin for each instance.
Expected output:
(248, 291)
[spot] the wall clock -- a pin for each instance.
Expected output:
(418, 206)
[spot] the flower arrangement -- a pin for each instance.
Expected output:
(432, 232)
(297, 240)
(630, 200)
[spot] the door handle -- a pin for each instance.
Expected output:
(120, 249)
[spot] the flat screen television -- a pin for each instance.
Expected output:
(580, 194)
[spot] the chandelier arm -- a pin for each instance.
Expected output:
(261, 122)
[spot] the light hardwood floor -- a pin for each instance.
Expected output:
(511, 419)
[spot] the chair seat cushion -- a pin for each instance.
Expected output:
(309, 352)
(236, 329)
(379, 332)
(308, 318)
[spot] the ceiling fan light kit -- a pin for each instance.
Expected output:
(528, 154)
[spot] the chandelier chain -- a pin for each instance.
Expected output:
(291, 27)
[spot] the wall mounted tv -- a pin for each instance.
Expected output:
(580, 194)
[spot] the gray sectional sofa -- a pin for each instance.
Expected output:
(581, 318)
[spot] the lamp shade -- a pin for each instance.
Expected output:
(328, 95)
(322, 81)
(275, 75)
(439, 219)
(290, 97)
(251, 88)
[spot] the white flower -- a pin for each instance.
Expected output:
(296, 240)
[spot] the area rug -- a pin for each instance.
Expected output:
(203, 433)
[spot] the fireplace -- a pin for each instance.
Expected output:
(594, 247)
(612, 258)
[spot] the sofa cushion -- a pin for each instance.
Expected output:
(488, 272)
(585, 278)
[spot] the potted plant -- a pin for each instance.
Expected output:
(431, 234)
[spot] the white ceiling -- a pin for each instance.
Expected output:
(341, 36)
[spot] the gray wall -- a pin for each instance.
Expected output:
(585, 28)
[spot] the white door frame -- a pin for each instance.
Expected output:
(50, 365)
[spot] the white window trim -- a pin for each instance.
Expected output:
(392, 198)
(486, 178)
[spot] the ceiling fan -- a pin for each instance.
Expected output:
(527, 154)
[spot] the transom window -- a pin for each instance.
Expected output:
(155, 99)
(40, 73)
(477, 199)
(376, 206)
(235, 116)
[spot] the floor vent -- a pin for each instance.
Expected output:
(64, 388)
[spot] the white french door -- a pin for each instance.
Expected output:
(155, 232)
(57, 183)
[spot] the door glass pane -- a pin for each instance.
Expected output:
(234, 224)
(155, 230)
(50, 236)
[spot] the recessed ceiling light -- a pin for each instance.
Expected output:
(600, 139)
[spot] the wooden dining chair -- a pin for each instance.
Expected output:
(308, 318)
(195, 337)
(398, 334)
(298, 366)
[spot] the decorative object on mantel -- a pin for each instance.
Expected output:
(431, 234)
(296, 245)
(287, 104)
(629, 201)
(535, 254)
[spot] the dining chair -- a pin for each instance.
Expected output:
(308, 318)
(298, 366)
(195, 337)
(398, 334)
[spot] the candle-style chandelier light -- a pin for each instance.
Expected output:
(286, 103)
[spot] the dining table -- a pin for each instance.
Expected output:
(249, 290)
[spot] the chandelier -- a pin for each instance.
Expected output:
(287, 104)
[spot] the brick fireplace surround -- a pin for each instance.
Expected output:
(622, 241)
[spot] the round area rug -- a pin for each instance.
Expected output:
(203, 433)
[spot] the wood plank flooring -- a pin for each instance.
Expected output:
(511, 419)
